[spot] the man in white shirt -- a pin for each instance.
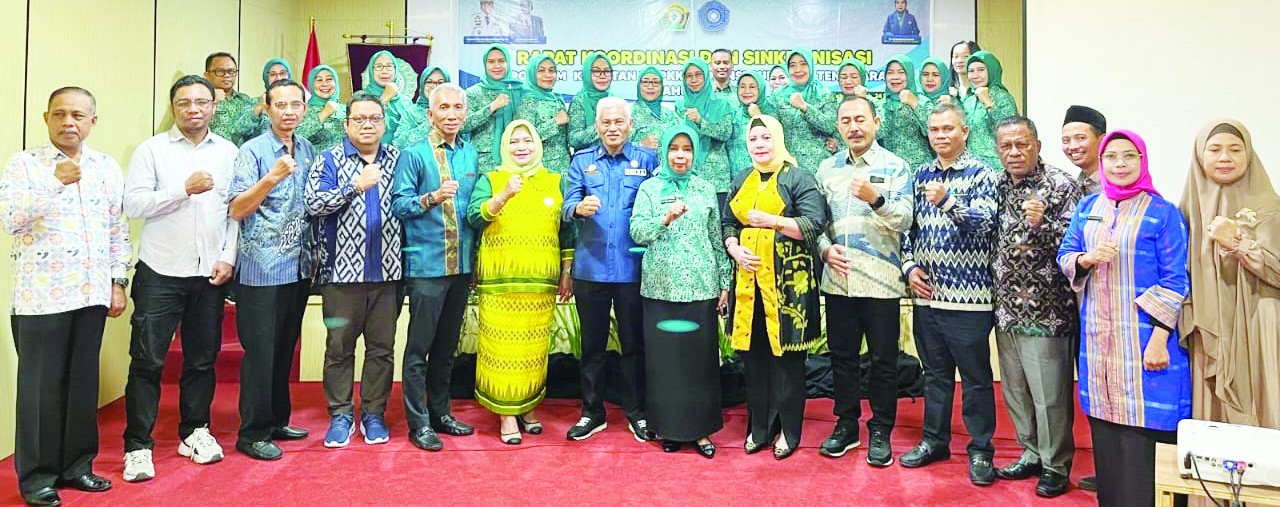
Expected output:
(62, 203)
(177, 182)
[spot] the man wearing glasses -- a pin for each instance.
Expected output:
(349, 191)
(177, 183)
(274, 269)
(233, 116)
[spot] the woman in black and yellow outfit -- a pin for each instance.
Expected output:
(774, 218)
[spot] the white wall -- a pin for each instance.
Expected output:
(1159, 68)
(953, 21)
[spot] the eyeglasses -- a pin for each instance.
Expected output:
(296, 105)
(601, 72)
(188, 104)
(369, 120)
(225, 72)
(436, 82)
(650, 82)
(1128, 157)
(384, 66)
(694, 74)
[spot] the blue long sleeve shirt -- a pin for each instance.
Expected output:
(427, 239)
(603, 248)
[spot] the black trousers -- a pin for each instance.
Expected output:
(594, 300)
(160, 303)
(848, 320)
(436, 308)
(950, 340)
(268, 320)
(1125, 460)
(57, 406)
(775, 386)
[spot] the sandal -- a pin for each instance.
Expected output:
(510, 438)
(530, 427)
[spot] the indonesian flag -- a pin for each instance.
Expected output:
(313, 57)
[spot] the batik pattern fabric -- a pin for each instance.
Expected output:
(555, 138)
(359, 236)
(233, 119)
(686, 260)
(1120, 304)
(1033, 298)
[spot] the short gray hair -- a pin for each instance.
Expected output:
(948, 107)
(435, 92)
(1018, 120)
(618, 102)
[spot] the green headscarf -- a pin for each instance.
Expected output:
(908, 67)
(677, 182)
(653, 105)
(945, 87)
(761, 83)
(371, 85)
(994, 71)
(514, 90)
(531, 86)
(589, 91)
(813, 91)
(424, 99)
(316, 101)
(856, 63)
(271, 63)
(399, 106)
(710, 106)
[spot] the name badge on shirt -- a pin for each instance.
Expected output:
(1094, 218)
(877, 179)
(635, 171)
(591, 169)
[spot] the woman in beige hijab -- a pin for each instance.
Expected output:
(1230, 320)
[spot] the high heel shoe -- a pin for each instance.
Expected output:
(671, 446)
(781, 454)
(530, 427)
(510, 438)
(707, 450)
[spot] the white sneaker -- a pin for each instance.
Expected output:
(137, 466)
(201, 447)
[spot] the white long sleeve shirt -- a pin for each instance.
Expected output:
(184, 235)
(69, 241)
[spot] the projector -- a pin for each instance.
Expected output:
(1213, 451)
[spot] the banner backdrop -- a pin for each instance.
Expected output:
(665, 33)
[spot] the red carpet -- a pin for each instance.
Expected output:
(610, 468)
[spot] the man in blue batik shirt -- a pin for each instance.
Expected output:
(273, 268)
(599, 189)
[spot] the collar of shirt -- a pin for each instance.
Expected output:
(51, 155)
(438, 141)
(176, 136)
(627, 152)
(868, 157)
(1032, 178)
(964, 161)
(350, 151)
(277, 145)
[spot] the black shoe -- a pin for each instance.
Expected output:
(532, 428)
(264, 450)
(1089, 483)
(671, 446)
(425, 438)
(923, 454)
(585, 427)
(1019, 470)
(981, 472)
(1051, 484)
(289, 433)
(87, 482)
(707, 450)
(780, 454)
(639, 429)
(450, 426)
(843, 438)
(879, 451)
(42, 496)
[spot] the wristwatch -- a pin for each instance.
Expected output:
(429, 199)
(122, 282)
(879, 202)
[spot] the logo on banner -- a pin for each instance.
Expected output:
(713, 16)
(675, 17)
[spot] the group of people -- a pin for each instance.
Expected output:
(729, 204)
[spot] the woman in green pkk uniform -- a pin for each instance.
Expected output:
(851, 76)
(777, 78)
(385, 79)
(935, 81)
(987, 103)
(751, 92)
(651, 117)
(804, 108)
(597, 76)
(276, 69)
(322, 123)
(545, 109)
(491, 105)
(904, 113)
(711, 117)
(431, 77)
(684, 277)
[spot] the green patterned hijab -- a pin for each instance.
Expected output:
(531, 87)
(654, 105)
(711, 106)
(316, 101)
(424, 99)
(812, 91)
(855, 63)
(589, 90)
(909, 68)
(761, 83)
